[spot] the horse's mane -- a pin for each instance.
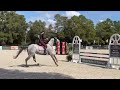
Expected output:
(48, 40)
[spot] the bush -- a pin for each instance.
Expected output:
(69, 58)
(70, 47)
(70, 52)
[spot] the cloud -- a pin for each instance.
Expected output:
(41, 12)
(48, 15)
(20, 13)
(47, 11)
(50, 21)
(101, 20)
(36, 18)
(69, 14)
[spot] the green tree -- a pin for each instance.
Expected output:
(50, 27)
(13, 26)
(104, 30)
(35, 29)
(60, 22)
(117, 26)
(81, 26)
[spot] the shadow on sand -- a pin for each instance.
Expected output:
(32, 65)
(17, 74)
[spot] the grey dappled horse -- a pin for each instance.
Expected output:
(36, 49)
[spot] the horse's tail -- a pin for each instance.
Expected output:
(21, 49)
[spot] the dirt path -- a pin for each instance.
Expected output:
(12, 69)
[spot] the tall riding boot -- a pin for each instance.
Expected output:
(44, 51)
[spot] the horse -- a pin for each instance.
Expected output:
(33, 49)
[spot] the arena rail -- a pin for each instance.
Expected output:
(99, 57)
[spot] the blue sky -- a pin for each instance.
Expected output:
(48, 16)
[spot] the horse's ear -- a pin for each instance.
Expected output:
(55, 37)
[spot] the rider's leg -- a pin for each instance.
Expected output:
(45, 50)
(45, 46)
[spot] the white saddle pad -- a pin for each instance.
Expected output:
(40, 48)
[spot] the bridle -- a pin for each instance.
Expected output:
(55, 41)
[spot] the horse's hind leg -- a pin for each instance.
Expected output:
(27, 60)
(35, 59)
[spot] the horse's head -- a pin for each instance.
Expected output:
(53, 41)
(56, 40)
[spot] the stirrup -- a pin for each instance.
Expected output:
(45, 53)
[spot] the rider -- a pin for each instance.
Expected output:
(41, 41)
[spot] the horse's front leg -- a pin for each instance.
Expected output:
(54, 60)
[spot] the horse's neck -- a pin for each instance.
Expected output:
(50, 43)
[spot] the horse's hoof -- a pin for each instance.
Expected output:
(38, 64)
(14, 57)
(26, 66)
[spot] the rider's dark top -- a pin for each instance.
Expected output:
(41, 40)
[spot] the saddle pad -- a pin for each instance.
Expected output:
(40, 48)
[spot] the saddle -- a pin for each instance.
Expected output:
(42, 48)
